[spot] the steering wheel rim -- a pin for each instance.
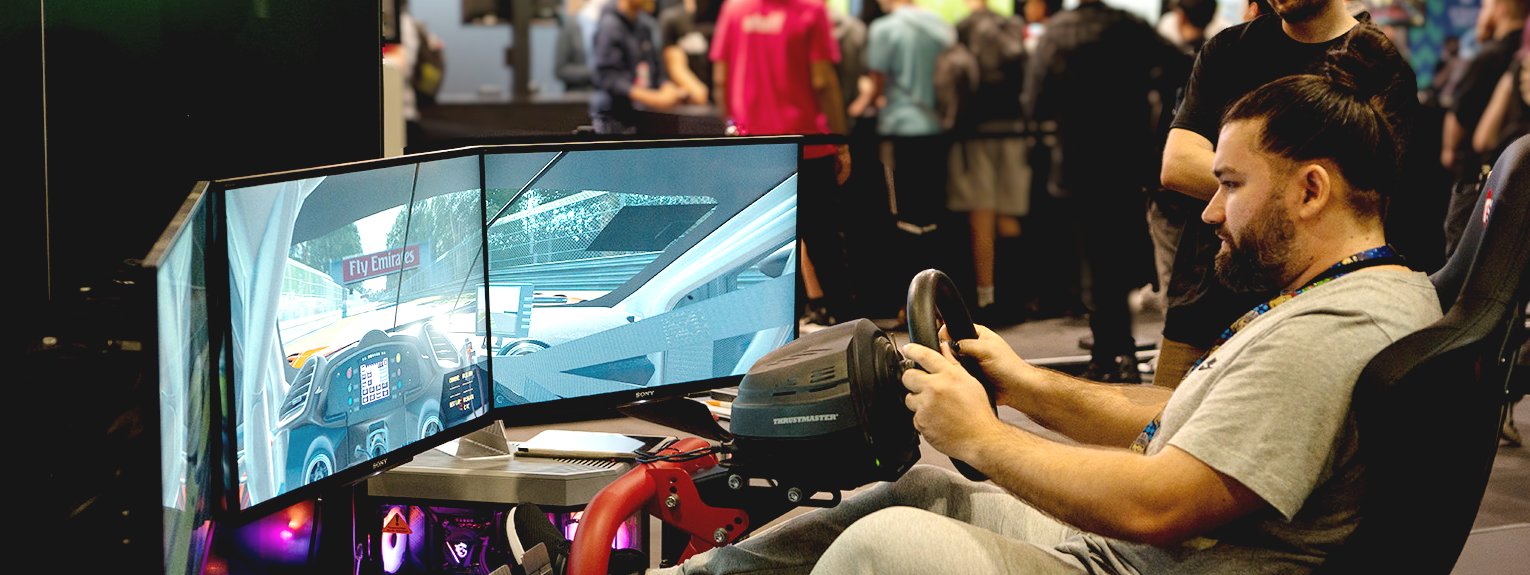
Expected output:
(932, 300)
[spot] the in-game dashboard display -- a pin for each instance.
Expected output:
(354, 302)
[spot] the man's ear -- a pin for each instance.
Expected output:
(1315, 184)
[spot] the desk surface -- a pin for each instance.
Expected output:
(509, 479)
(549, 482)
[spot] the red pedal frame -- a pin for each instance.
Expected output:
(650, 486)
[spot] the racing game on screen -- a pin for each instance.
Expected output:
(627, 270)
(355, 317)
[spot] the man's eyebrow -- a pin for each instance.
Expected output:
(1220, 171)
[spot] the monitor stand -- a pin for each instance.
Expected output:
(487, 442)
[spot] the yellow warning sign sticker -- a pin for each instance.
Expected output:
(395, 523)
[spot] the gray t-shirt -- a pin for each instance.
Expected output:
(903, 46)
(1270, 408)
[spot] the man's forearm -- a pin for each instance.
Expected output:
(720, 88)
(1111, 492)
(1449, 140)
(1486, 136)
(677, 64)
(1187, 161)
(649, 98)
(830, 101)
(1088, 412)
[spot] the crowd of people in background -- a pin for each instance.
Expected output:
(1114, 119)
(1089, 128)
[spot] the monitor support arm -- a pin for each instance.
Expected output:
(703, 497)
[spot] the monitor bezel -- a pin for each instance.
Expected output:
(178, 230)
(218, 268)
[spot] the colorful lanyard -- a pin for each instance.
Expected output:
(1378, 256)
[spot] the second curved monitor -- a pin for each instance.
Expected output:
(617, 272)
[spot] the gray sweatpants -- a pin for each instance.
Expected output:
(929, 521)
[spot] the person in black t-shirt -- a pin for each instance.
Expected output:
(1296, 40)
(685, 32)
(626, 69)
(1091, 74)
(1168, 210)
(1500, 26)
(1507, 116)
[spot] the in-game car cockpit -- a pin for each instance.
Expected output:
(386, 391)
(355, 301)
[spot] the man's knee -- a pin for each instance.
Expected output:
(929, 476)
(873, 536)
(922, 482)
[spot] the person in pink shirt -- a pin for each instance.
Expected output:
(774, 73)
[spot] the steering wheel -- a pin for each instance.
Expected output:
(933, 299)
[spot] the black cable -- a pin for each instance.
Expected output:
(648, 457)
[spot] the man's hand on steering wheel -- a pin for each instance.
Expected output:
(999, 361)
(950, 407)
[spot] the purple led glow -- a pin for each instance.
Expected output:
(274, 539)
(626, 534)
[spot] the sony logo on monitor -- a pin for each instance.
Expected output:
(379, 464)
(643, 394)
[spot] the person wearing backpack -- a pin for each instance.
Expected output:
(990, 179)
(422, 60)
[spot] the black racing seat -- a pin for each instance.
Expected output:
(1429, 406)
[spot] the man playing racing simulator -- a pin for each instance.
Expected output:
(1248, 467)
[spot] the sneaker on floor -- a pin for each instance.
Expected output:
(528, 527)
(1508, 435)
(1118, 369)
(819, 312)
(627, 562)
(542, 550)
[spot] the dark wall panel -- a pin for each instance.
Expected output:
(20, 38)
(146, 97)
(108, 171)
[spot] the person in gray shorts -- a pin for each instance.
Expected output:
(1249, 466)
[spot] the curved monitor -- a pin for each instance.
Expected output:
(353, 299)
(380, 308)
(631, 269)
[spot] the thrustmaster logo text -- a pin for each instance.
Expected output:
(805, 419)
